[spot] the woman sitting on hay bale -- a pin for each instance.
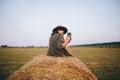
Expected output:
(57, 43)
(54, 68)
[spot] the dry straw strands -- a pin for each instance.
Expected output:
(53, 68)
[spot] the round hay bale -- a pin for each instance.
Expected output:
(53, 68)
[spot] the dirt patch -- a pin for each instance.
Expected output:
(93, 64)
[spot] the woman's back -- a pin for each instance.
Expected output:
(55, 46)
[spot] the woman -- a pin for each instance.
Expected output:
(57, 43)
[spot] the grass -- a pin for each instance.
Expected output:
(12, 59)
(104, 62)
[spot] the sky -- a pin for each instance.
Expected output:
(30, 22)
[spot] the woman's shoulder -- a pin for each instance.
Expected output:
(57, 35)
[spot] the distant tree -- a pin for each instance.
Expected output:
(30, 46)
(4, 46)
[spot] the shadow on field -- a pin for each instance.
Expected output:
(53, 68)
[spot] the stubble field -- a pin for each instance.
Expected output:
(104, 62)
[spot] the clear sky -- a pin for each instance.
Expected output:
(30, 22)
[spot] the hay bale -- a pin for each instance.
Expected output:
(53, 68)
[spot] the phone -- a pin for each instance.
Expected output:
(69, 34)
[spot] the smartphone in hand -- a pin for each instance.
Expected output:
(69, 34)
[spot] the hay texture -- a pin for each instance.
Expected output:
(53, 68)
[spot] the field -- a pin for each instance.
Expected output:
(104, 62)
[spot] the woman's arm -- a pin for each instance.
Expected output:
(68, 39)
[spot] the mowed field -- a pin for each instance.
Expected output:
(103, 62)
